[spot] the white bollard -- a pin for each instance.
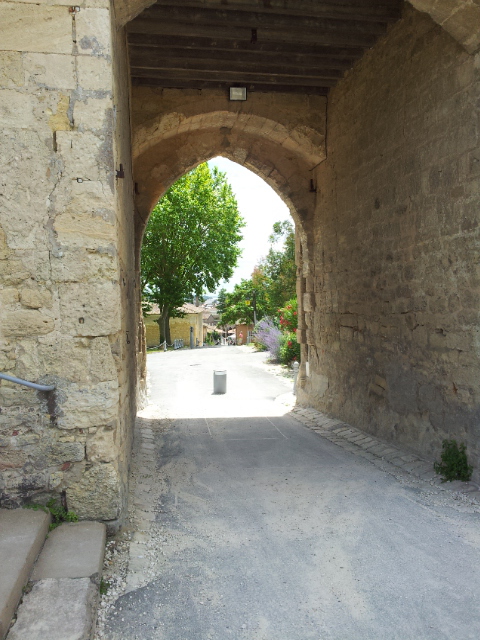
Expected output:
(295, 367)
(219, 382)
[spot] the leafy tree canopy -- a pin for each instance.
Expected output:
(278, 268)
(221, 300)
(273, 281)
(239, 304)
(191, 241)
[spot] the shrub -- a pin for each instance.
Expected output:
(454, 465)
(267, 336)
(289, 315)
(289, 348)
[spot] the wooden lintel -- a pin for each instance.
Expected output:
(337, 37)
(228, 20)
(386, 11)
(222, 44)
(212, 57)
(233, 77)
(200, 85)
(142, 61)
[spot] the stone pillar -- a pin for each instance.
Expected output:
(64, 264)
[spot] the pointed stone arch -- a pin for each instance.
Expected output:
(174, 132)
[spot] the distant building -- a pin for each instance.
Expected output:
(179, 327)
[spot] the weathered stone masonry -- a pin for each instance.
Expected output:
(68, 298)
(387, 247)
(393, 323)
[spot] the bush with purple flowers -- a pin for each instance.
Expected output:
(268, 336)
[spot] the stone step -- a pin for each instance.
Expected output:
(62, 602)
(22, 534)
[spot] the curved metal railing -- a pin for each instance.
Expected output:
(26, 383)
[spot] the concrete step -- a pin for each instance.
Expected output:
(22, 534)
(62, 602)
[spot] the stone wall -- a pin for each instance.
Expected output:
(393, 304)
(64, 257)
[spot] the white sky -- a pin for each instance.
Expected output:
(260, 207)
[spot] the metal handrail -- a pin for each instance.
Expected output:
(26, 383)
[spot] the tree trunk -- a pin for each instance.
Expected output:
(164, 325)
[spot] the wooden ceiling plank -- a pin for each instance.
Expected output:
(229, 45)
(347, 9)
(306, 74)
(334, 38)
(141, 57)
(234, 77)
(232, 19)
(199, 85)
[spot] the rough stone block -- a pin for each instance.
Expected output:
(96, 494)
(50, 70)
(85, 265)
(90, 309)
(93, 30)
(66, 452)
(71, 603)
(72, 550)
(22, 533)
(11, 70)
(17, 110)
(92, 113)
(94, 74)
(35, 298)
(33, 27)
(80, 153)
(88, 406)
(84, 230)
(101, 447)
(26, 322)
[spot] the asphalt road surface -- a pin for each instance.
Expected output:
(252, 527)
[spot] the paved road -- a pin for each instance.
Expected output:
(250, 526)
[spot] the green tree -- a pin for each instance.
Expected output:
(278, 271)
(239, 304)
(191, 241)
(222, 294)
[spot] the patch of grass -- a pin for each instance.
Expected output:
(104, 587)
(454, 464)
(58, 513)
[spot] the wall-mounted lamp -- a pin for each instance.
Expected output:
(238, 93)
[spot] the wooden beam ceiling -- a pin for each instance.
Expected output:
(301, 46)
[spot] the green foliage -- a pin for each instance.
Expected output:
(454, 465)
(239, 304)
(289, 348)
(104, 587)
(273, 280)
(58, 513)
(221, 301)
(191, 241)
(278, 271)
(289, 315)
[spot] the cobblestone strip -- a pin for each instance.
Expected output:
(388, 457)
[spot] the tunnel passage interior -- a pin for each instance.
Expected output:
(362, 116)
(369, 325)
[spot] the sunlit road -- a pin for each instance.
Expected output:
(250, 526)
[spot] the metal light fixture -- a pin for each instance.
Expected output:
(238, 93)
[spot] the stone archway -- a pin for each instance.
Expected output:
(172, 134)
(389, 241)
